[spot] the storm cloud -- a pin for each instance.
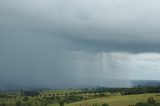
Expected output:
(65, 43)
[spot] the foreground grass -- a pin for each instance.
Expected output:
(117, 100)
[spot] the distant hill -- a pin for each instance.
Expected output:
(105, 83)
(145, 83)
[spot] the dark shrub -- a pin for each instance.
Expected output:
(18, 103)
(105, 104)
(151, 100)
(25, 98)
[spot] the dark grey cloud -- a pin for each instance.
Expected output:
(105, 25)
(58, 43)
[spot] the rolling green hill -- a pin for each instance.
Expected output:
(117, 100)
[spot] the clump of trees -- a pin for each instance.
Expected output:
(30, 93)
(130, 91)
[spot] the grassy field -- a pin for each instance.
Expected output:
(53, 98)
(116, 100)
(10, 98)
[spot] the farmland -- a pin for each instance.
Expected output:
(117, 100)
(79, 97)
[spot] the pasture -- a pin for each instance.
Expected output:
(125, 100)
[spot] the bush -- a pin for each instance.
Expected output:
(18, 103)
(147, 104)
(142, 104)
(151, 100)
(25, 98)
(3, 104)
(105, 104)
(61, 103)
(102, 95)
(95, 104)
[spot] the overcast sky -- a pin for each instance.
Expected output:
(59, 43)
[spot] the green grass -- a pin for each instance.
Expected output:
(112, 99)
(117, 100)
